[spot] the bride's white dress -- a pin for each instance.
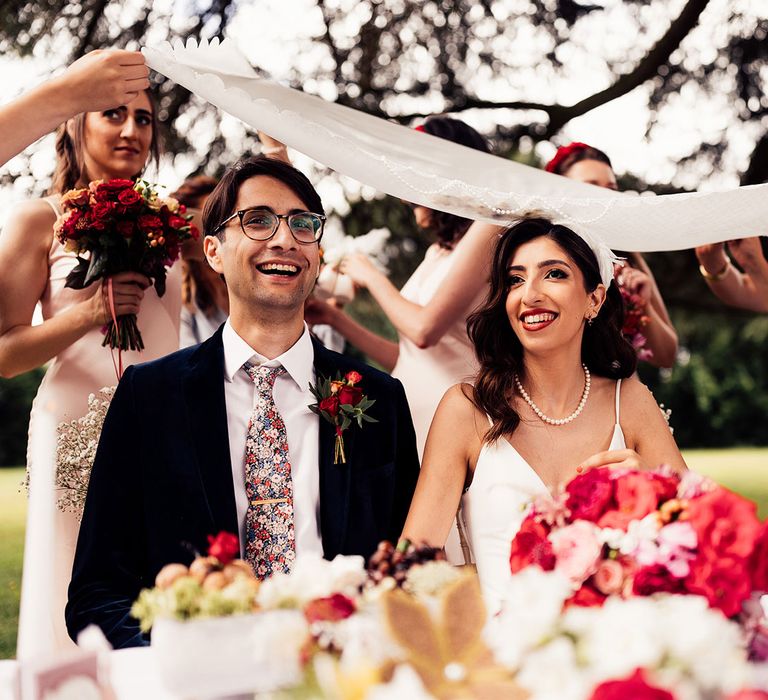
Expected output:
(494, 508)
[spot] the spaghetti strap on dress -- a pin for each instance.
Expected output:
(493, 507)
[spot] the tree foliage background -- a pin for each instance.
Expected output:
(520, 70)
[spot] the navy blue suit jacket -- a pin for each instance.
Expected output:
(162, 480)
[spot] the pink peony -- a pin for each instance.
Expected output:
(609, 577)
(530, 547)
(590, 494)
(577, 550)
(676, 544)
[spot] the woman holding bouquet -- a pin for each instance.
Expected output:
(114, 143)
(555, 395)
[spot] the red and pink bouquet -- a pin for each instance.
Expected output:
(632, 533)
(123, 226)
(635, 320)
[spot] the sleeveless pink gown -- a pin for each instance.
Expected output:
(83, 368)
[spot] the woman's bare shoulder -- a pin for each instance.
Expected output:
(30, 223)
(458, 406)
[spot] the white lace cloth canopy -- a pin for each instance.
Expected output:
(438, 174)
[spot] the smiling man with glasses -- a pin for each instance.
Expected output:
(219, 436)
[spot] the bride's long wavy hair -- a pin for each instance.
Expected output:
(499, 351)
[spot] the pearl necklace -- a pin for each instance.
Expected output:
(557, 421)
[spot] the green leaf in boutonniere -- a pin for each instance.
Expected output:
(341, 401)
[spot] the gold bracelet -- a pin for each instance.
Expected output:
(717, 276)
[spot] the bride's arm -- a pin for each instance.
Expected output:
(649, 440)
(425, 325)
(452, 446)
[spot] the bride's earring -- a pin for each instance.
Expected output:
(590, 320)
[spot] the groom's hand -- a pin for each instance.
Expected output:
(615, 459)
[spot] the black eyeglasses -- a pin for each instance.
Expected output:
(261, 224)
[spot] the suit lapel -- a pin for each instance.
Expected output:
(335, 479)
(207, 411)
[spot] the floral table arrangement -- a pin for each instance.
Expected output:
(629, 585)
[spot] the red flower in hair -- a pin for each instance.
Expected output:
(562, 153)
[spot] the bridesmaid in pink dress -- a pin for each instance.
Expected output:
(115, 143)
(428, 359)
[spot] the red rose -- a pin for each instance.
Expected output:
(758, 562)
(351, 395)
(655, 579)
(111, 189)
(587, 596)
(68, 226)
(353, 377)
(225, 547)
(129, 198)
(530, 547)
(331, 609)
(330, 405)
(723, 581)
(102, 210)
(636, 496)
(177, 222)
(634, 687)
(150, 222)
(590, 494)
(726, 524)
(752, 694)
(125, 228)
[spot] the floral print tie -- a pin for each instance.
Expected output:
(270, 543)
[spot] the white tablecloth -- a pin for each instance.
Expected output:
(133, 673)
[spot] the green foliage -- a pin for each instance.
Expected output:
(717, 391)
(16, 397)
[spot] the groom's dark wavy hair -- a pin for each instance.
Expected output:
(221, 202)
(603, 347)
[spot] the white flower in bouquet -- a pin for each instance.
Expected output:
(312, 577)
(76, 443)
(617, 638)
(552, 673)
(371, 244)
(331, 283)
(430, 578)
(281, 642)
(533, 602)
(364, 640)
(405, 683)
(703, 641)
(640, 536)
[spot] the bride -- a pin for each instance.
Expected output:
(555, 395)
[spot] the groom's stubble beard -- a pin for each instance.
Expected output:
(272, 308)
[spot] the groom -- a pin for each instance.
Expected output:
(219, 436)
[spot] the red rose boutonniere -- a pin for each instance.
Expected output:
(340, 401)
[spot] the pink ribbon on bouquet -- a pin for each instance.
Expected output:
(119, 364)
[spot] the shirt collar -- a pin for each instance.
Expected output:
(298, 360)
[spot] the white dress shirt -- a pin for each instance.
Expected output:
(292, 398)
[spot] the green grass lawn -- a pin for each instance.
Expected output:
(744, 470)
(13, 509)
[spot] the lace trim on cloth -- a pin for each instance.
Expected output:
(438, 174)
